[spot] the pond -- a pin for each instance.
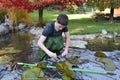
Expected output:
(22, 41)
(104, 44)
(28, 44)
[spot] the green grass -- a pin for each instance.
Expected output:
(79, 23)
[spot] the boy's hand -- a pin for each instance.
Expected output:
(53, 55)
(65, 53)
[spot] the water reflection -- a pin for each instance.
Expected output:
(4, 40)
(104, 44)
(21, 41)
(24, 42)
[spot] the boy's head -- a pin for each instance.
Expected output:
(62, 19)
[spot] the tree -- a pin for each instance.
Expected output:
(103, 4)
(31, 5)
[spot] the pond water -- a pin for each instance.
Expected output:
(23, 41)
(27, 43)
(103, 44)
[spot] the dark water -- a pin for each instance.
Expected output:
(22, 41)
(27, 43)
(104, 44)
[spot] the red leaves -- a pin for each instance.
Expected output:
(40, 4)
(1, 5)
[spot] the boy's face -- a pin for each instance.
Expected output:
(59, 26)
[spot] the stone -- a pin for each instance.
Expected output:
(78, 43)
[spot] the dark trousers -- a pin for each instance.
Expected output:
(54, 44)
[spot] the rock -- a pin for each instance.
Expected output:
(21, 26)
(119, 58)
(36, 31)
(83, 37)
(4, 29)
(78, 43)
(104, 32)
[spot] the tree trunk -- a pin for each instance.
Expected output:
(40, 12)
(111, 14)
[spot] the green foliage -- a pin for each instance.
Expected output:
(103, 4)
(5, 59)
(108, 64)
(100, 54)
(36, 73)
(33, 74)
(70, 9)
(75, 60)
(65, 77)
(63, 67)
(41, 65)
(19, 15)
(41, 24)
(75, 9)
(104, 17)
(3, 12)
(9, 50)
(100, 17)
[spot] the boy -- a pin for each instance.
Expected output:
(51, 41)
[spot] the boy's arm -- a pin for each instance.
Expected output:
(67, 36)
(42, 46)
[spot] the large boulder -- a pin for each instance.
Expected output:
(4, 29)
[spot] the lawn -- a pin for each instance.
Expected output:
(79, 23)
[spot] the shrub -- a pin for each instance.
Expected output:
(100, 17)
(75, 9)
(19, 16)
(3, 12)
(41, 24)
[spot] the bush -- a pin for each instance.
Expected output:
(75, 9)
(19, 16)
(70, 9)
(100, 17)
(41, 24)
(105, 17)
(3, 12)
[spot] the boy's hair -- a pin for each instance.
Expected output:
(62, 19)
